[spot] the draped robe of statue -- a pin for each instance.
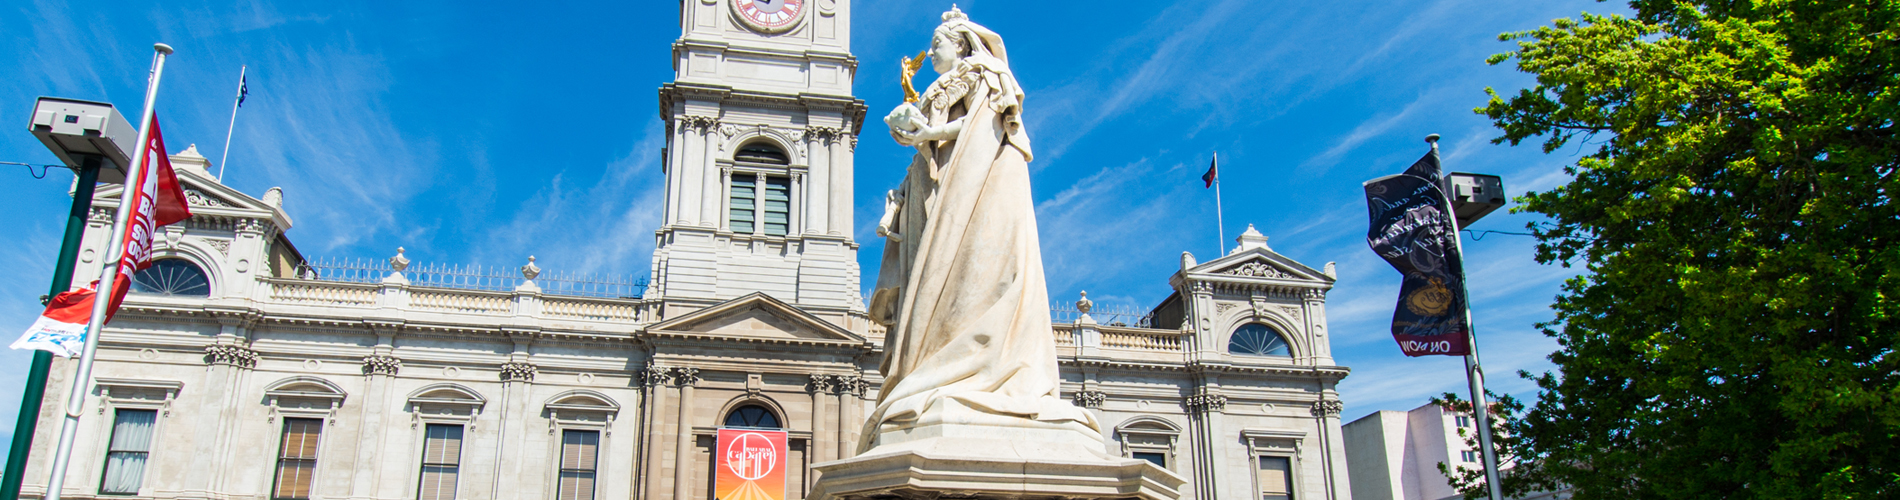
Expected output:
(961, 287)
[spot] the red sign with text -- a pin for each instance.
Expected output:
(751, 465)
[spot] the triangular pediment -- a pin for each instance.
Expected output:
(1260, 263)
(755, 316)
(204, 194)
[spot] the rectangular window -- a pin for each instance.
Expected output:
(744, 191)
(441, 462)
(579, 452)
(297, 458)
(778, 205)
(1464, 421)
(125, 454)
(1159, 459)
(1469, 455)
(1276, 478)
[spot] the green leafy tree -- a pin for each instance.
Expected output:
(1734, 333)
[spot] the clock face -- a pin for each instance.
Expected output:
(769, 15)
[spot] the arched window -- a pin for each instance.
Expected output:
(172, 277)
(752, 416)
(761, 152)
(1254, 339)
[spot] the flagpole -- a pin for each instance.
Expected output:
(233, 126)
(1474, 371)
(1220, 249)
(102, 299)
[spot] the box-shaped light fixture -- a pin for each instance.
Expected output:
(74, 129)
(1473, 195)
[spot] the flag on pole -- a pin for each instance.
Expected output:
(1413, 230)
(243, 90)
(158, 201)
(1213, 173)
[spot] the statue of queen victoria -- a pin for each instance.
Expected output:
(962, 289)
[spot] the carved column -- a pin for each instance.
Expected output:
(683, 450)
(654, 379)
(821, 397)
(848, 389)
(676, 170)
(517, 379)
(839, 207)
(1206, 409)
(794, 209)
(725, 208)
(709, 197)
(230, 361)
(379, 367)
(1326, 414)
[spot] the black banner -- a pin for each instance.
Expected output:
(1412, 230)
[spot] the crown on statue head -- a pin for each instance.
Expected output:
(954, 14)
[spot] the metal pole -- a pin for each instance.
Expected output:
(233, 126)
(35, 390)
(82, 379)
(1218, 218)
(1474, 371)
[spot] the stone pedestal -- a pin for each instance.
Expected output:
(985, 460)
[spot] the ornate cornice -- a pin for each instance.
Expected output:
(234, 355)
(1330, 408)
(515, 371)
(1090, 399)
(381, 364)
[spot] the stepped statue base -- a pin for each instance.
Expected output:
(969, 454)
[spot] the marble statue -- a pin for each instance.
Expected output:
(962, 289)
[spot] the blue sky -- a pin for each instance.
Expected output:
(485, 134)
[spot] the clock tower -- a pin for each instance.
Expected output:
(761, 126)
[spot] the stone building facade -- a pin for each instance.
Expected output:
(236, 371)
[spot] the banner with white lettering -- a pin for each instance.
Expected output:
(158, 201)
(751, 464)
(1412, 230)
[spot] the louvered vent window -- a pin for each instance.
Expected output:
(743, 206)
(778, 205)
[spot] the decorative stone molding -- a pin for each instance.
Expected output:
(1084, 305)
(1202, 287)
(1328, 408)
(515, 371)
(234, 355)
(100, 215)
(1090, 399)
(703, 123)
(1206, 402)
(828, 135)
(1223, 307)
(379, 364)
(821, 383)
(1316, 294)
(222, 246)
(254, 226)
(654, 376)
(685, 376)
(1258, 270)
(198, 198)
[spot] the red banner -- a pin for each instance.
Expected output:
(750, 465)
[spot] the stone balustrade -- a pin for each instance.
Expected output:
(363, 298)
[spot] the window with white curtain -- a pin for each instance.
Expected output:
(579, 462)
(441, 462)
(125, 455)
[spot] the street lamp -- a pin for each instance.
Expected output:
(89, 137)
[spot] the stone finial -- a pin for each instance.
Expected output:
(398, 263)
(1332, 270)
(1187, 261)
(530, 271)
(274, 197)
(1085, 304)
(1250, 240)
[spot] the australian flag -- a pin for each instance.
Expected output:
(1413, 230)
